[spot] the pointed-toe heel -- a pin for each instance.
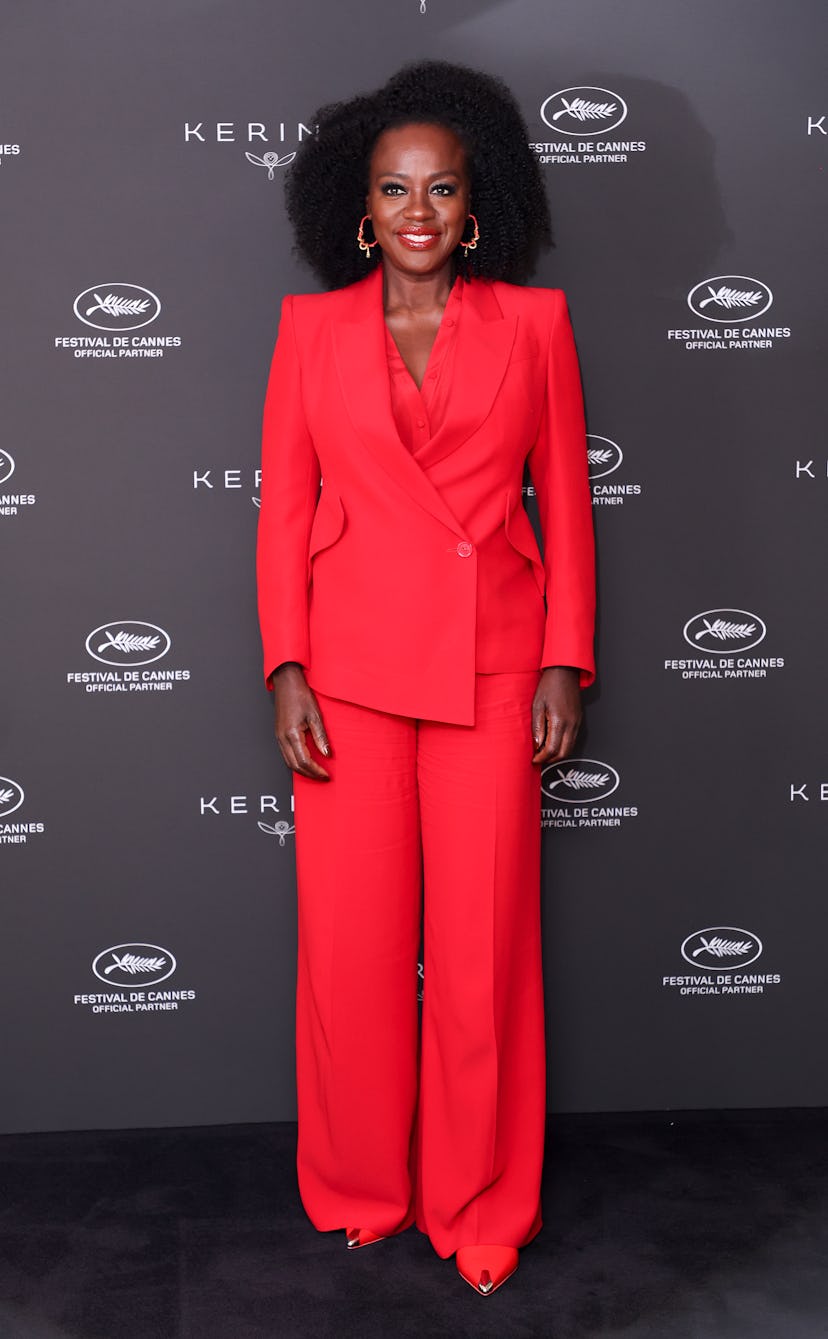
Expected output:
(486, 1268)
(360, 1236)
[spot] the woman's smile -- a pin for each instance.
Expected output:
(418, 239)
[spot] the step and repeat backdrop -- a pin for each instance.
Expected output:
(146, 825)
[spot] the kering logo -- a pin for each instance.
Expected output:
(11, 796)
(280, 829)
(6, 466)
(134, 964)
(583, 110)
(727, 297)
(255, 132)
(271, 161)
(723, 631)
(603, 456)
(212, 480)
(116, 306)
(723, 947)
(128, 643)
(579, 781)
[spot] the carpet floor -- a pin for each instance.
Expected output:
(657, 1226)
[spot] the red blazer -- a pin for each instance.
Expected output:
(408, 573)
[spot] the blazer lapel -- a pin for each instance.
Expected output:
(359, 349)
(484, 343)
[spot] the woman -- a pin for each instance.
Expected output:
(421, 681)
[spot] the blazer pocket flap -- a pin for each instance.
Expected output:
(519, 531)
(521, 536)
(328, 522)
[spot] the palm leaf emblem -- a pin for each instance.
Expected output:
(723, 948)
(598, 455)
(115, 306)
(585, 111)
(724, 631)
(132, 964)
(732, 297)
(128, 642)
(577, 780)
(6, 795)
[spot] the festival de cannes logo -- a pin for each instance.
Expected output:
(281, 829)
(128, 643)
(584, 110)
(271, 161)
(134, 965)
(117, 306)
(6, 466)
(579, 781)
(11, 796)
(729, 297)
(723, 631)
(723, 947)
(603, 455)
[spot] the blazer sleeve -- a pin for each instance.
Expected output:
(289, 494)
(558, 466)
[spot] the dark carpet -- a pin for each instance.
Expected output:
(668, 1226)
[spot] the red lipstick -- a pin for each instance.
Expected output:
(418, 239)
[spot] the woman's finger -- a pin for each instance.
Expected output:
(296, 755)
(548, 749)
(318, 731)
(538, 722)
(559, 740)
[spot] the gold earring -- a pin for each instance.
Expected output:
(471, 244)
(363, 245)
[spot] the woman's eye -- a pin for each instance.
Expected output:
(392, 188)
(445, 188)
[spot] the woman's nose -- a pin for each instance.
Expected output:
(419, 205)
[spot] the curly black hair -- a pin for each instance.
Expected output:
(326, 185)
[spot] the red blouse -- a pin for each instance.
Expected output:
(419, 413)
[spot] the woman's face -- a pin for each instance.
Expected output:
(418, 197)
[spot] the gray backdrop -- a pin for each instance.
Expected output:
(145, 817)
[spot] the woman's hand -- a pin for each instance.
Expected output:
(296, 711)
(556, 714)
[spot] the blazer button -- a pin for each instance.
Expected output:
(464, 549)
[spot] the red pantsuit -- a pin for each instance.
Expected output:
(462, 1147)
(411, 589)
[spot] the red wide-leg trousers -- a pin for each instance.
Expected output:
(446, 1130)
